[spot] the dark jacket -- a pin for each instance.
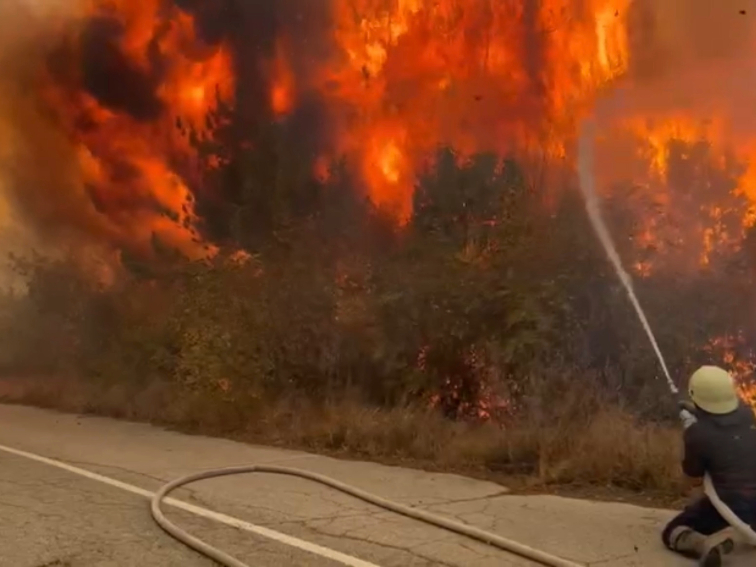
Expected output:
(725, 447)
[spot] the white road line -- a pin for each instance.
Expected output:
(199, 511)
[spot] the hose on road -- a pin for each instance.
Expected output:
(227, 560)
(745, 531)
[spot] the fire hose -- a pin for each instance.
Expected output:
(585, 167)
(227, 560)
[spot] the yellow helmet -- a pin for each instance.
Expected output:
(713, 390)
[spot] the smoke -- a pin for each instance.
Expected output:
(255, 29)
(692, 56)
(51, 198)
(111, 77)
(670, 35)
(32, 156)
(691, 79)
(260, 32)
(66, 176)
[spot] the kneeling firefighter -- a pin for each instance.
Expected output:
(722, 443)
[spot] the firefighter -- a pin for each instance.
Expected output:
(722, 443)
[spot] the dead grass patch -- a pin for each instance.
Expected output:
(609, 448)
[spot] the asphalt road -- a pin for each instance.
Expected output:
(76, 498)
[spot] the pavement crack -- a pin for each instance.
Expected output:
(351, 537)
(6, 504)
(465, 500)
(612, 558)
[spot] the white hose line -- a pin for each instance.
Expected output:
(724, 510)
(227, 560)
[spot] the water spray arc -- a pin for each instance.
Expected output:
(587, 186)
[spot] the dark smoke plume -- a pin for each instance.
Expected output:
(111, 77)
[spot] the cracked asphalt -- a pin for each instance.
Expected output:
(54, 518)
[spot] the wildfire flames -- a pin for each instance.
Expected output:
(121, 87)
(117, 84)
(398, 79)
(487, 76)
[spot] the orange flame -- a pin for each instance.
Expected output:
(283, 82)
(193, 77)
(402, 78)
(421, 73)
(729, 350)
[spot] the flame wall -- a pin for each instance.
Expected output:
(94, 91)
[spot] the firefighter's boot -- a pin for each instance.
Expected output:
(709, 550)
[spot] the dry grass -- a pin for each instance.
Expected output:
(606, 447)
